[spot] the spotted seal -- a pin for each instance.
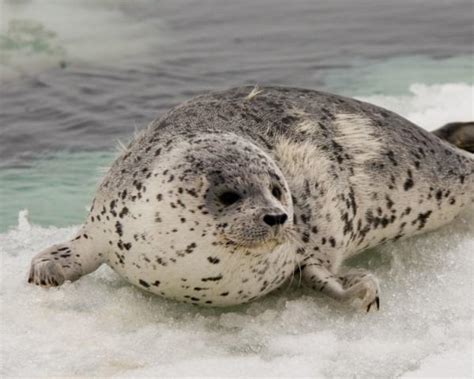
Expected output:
(219, 201)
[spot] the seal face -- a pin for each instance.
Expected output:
(246, 195)
(220, 201)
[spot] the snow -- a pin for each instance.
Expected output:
(101, 325)
(431, 106)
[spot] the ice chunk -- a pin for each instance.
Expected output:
(23, 220)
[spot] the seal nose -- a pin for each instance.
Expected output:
(273, 220)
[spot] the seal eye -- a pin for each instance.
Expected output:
(276, 191)
(229, 198)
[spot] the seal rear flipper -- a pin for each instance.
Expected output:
(65, 261)
(459, 134)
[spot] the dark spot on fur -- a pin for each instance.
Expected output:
(190, 248)
(118, 228)
(212, 278)
(409, 182)
(422, 219)
(213, 260)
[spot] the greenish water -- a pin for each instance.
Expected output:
(394, 76)
(56, 189)
(30, 37)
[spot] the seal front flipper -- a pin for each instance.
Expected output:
(357, 286)
(65, 261)
(460, 134)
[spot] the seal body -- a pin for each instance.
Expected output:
(222, 198)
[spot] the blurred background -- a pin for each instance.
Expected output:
(76, 76)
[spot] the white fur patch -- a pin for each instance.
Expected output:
(356, 134)
(297, 112)
(304, 164)
(255, 91)
(302, 160)
(353, 132)
(307, 126)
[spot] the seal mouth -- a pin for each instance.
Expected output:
(267, 243)
(260, 246)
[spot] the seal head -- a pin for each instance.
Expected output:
(247, 196)
(213, 225)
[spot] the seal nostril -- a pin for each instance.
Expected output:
(283, 218)
(273, 220)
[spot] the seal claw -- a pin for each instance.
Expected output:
(377, 304)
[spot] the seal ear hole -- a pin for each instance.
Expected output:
(229, 197)
(276, 192)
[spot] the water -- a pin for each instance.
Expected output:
(88, 79)
(75, 77)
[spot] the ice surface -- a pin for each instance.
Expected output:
(101, 325)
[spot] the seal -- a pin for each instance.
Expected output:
(223, 198)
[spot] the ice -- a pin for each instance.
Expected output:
(23, 220)
(431, 106)
(101, 325)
